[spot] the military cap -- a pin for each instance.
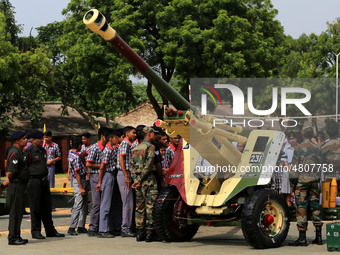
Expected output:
(17, 135)
(308, 129)
(157, 129)
(308, 132)
(37, 134)
(148, 130)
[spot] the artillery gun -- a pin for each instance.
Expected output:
(237, 196)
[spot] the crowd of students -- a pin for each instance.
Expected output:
(102, 166)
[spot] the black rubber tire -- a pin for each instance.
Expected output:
(251, 219)
(164, 224)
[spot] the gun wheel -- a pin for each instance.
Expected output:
(265, 221)
(167, 226)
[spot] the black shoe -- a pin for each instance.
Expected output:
(128, 234)
(82, 230)
(18, 242)
(301, 241)
(92, 233)
(38, 236)
(55, 234)
(105, 235)
(25, 240)
(140, 237)
(150, 237)
(72, 232)
(115, 232)
(318, 236)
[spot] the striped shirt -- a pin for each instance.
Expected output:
(134, 144)
(52, 151)
(76, 164)
(85, 148)
(109, 158)
(95, 156)
(124, 149)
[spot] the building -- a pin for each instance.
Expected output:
(62, 127)
(143, 114)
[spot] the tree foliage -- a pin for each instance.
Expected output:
(23, 75)
(89, 76)
(212, 38)
(180, 39)
(312, 56)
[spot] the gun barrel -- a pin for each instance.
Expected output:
(96, 22)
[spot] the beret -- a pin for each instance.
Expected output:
(37, 134)
(17, 135)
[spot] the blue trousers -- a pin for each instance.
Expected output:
(51, 175)
(128, 203)
(96, 199)
(106, 205)
(80, 206)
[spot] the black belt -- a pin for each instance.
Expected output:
(40, 177)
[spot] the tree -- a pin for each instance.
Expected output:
(11, 28)
(187, 39)
(179, 39)
(88, 74)
(23, 75)
(313, 57)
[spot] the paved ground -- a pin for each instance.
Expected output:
(208, 241)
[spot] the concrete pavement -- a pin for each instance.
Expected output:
(208, 241)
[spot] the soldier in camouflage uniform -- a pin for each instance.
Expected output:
(142, 170)
(331, 151)
(307, 189)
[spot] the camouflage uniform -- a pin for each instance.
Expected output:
(142, 169)
(307, 188)
(331, 156)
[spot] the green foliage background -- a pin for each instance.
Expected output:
(180, 39)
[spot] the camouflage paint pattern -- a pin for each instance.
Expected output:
(145, 199)
(142, 169)
(307, 190)
(331, 155)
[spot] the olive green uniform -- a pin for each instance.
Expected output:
(306, 156)
(331, 156)
(142, 169)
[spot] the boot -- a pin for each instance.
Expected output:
(301, 241)
(318, 236)
(150, 236)
(140, 235)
